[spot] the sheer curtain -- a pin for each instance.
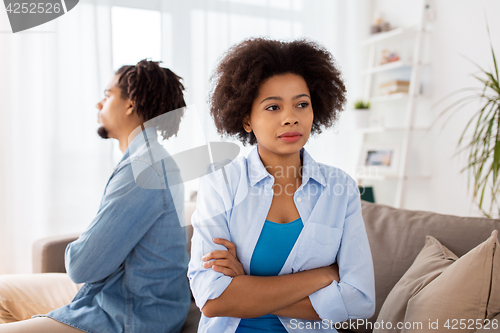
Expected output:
(53, 166)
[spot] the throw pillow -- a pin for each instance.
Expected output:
(462, 296)
(432, 260)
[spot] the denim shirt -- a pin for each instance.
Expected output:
(132, 258)
(233, 203)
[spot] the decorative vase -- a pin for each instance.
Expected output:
(362, 118)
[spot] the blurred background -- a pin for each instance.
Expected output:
(402, 56)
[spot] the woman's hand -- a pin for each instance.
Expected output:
(335, 271)
(225, 262)
(331, 273)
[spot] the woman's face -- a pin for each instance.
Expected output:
(282, 115)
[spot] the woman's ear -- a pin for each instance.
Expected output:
(246, 124)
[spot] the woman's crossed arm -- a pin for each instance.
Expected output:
(253, 296)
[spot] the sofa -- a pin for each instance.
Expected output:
(396, 237)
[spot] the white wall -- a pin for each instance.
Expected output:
(459, 28)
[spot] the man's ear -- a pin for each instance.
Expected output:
(130, 107)
(246, 124)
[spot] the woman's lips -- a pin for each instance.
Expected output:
(290, 136)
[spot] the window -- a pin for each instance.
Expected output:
(136, 35)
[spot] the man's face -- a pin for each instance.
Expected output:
(112, 111)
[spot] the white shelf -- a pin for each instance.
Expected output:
(388, 177)
(387, 67)
(391, 97)
(372, 74)
(389, 129)
(384, 36)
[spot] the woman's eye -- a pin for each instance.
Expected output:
(272, 108)
(303, 105)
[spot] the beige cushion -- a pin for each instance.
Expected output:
(462, 291)
(467, 290)
(432, 260)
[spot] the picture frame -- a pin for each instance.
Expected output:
(379, 159)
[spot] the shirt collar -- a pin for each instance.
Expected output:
(141, 141)
(310, 168)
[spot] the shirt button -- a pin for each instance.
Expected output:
(288, 325)
(299, 199)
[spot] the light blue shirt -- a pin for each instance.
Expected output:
(233, 203)
(132, 258)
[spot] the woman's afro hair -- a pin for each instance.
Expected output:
(244, 67)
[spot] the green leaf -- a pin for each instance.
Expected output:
(492, 51)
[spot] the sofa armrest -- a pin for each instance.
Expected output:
(495, 322)
(48, 253)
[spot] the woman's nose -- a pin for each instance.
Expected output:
(290, 118)
(99, 105)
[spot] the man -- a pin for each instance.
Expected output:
(132, 259)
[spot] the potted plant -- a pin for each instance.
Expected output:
(361, 114)
(483, 148)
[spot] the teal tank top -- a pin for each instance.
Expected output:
(275, 242)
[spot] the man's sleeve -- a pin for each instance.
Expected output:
(354, 296)
(209, 221)
(126, 213)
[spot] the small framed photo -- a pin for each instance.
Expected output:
(377, 159)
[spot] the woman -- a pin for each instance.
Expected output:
(270, 229)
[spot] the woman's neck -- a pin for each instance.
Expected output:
(284, 168)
